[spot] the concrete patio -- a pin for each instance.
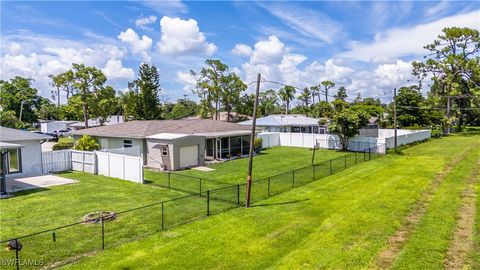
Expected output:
(20, 183)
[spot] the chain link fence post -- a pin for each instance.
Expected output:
(163, 216)
(293, 179)
(330, 166)
(313, 173)
(103, 233)
(238, 194)
(208, 202)
(17, 260)
(345, 161)
(168, 179)
(200, 184)
(268, 188)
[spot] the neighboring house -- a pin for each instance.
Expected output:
(293, 123)
(175, 144)
(111, 120)
(26, 156)
(52, 126)
(234, 117)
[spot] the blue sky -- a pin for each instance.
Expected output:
(365, 46)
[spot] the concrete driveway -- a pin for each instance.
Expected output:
(32, 182)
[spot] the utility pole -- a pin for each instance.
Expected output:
(395, 117)
(252, 141)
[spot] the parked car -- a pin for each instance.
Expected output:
(54, 139)
(63, 132)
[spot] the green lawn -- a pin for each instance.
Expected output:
(271, 161)
(342, 221)
(41, 209)
(65, 140)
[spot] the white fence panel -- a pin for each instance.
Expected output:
(120, 166)
(83, 161)
(56, 161)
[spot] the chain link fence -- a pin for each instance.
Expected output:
(63, 245)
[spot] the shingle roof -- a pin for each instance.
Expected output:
(10, 134)
(144, 128)
(278, 120)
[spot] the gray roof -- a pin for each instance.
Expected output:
(10, 135)
(280, 120)
(7, 146)
(145, 128)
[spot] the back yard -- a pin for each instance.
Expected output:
(410, 211)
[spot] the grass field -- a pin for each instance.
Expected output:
(347, 220)
(272, 161)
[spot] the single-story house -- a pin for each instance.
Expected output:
(95, 122)
(175, 144)
(52, 126)
(24, 151)
(293, 123)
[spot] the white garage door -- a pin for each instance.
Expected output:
(189, 155)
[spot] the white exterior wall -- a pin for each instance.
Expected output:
(31, 156)
(50, 127)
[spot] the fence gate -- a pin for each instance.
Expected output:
(84, 161)
(56, 161)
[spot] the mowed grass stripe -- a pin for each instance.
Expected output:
(427, 246)
(339, 222)
(462, 241)
(388, 255)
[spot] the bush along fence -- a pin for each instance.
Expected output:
(102, 230)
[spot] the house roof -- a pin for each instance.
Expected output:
(6, 146)
(144, 128)
(11, 134)
(279, 120)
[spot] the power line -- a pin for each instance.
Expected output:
(440, 109)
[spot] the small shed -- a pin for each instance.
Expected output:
(174, 151)
(52, 126)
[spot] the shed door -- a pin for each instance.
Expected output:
(189, 156)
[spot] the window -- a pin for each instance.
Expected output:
(165, 150)
(14, 161)
(127, 143)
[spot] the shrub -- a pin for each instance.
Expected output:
(257, 145)
(87, 143)
(62, 146)
(437, 132)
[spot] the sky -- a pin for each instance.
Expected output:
(365, 46)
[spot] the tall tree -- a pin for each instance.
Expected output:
(346, 123)
(232, 87)
(327, 85)
(19, 96)
(209, 86)
(287, 94)
(305, 98)
(315, 90)
(341, 94)
(268, 102)
(145, 93)
(62, 82)
(453, 63)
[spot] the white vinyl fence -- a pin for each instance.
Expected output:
(84, 161)
(121, 166)
(56, 161)
(330, 141)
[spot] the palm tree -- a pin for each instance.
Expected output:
(315, 92)
(327, 85)
(287, 94)
(305, 98)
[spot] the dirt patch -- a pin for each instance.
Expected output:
(462, 241)
(387, 256)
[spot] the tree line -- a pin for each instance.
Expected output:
(453, 99)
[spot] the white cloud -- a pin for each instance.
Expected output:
(37, 56)
(114, 70)
(142, 22)
(139, 46)
(307, 22)
(408, 41)
(183, 37)
(437, 9)
(166, 6)
(242, 50)
(185, 78)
